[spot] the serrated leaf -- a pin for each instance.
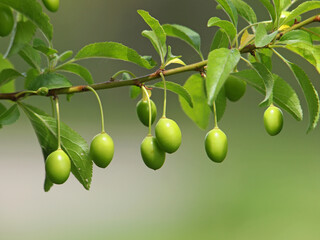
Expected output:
(200, 112)
(221, 62)
(177, 89)
(23, 34)
(245, 11)
(78, 70)
(283, 94)
(314, 32)
(227, 26)
(32, 10)
(158, 31)
(309, 52)
(71, 142)
(230, 9)
(262, 37)
(8, 74)
(310, 94)
(49, 80)
(31, 56)
(268, 5)
(302, 8)
(185, 34)
(220, 40)
(296, 36)
(10, 116)
(268, 80)
(115, 51)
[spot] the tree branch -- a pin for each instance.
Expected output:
(142, 79)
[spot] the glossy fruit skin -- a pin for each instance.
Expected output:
(102, 150)
(58, 166)
(235, 88)
(6, 20)
(168, 135)
(152, 155)
(216, 145)
(273, 120)
(51, 5)
(143, 112)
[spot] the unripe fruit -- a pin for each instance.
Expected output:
(216, 145)
(152, 155)
(58, 166)
(102, 150)
(143, 111)
(235, 88)
(273, 120)
(6, 20)
(168, 135)
(51, 5)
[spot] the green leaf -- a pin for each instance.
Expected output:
(158, 31)
(6, 75)
(220, 40)
(221, 104)
(309, 52)
(10, 86)
(65, 56)
(283, 94)
(227, 26)
(2, 110)
(31, 56)
(310, 94)
(49, 80)
(280, 5)
(185, 34)
(302, 8)
(114, 50)
(78, 70)
(296, 36)
(221, 62)
(32, 10)
(245, 11)
(39, 45)
(262, 37)
(230, 9)
(268, 5)
(23, 34)
(153, 39)
(268, 80)
(10, 116)
(200, 112)
(264, 56)
(177, 89)
(71, 142)
(314, 32)
(171, 59)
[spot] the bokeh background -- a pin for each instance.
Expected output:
(267, 188)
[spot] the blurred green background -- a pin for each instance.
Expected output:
(267, 188)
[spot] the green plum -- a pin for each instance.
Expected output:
(273, 120)
(152, 155)
(168, 135)
(51, 5)
(143, 111)
(58, 166)
(102, 149)
(6, 20)
(235, 88)
(216, 145)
